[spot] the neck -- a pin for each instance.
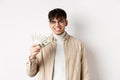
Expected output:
(59, 37)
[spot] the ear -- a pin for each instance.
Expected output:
(66, 23)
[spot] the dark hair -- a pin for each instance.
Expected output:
(57, 13)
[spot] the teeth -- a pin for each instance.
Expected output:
(57, 29)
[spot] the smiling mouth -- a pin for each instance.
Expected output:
(57, 29)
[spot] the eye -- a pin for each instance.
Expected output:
(52, 22)
(61, 21)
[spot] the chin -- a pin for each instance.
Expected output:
(58, 33)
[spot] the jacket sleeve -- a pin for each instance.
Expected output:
(33, 65)
(84, 65)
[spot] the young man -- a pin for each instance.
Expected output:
(64, 58)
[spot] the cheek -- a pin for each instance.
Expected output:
(52, 27)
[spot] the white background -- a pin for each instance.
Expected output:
(95, 22)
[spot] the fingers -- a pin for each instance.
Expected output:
(35, 49)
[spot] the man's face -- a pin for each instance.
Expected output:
(58, 25)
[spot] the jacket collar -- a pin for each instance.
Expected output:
(52, 38)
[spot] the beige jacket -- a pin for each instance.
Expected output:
(75, 56)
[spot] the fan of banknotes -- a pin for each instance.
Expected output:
(40, 39)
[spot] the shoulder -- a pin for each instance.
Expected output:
(74, 39)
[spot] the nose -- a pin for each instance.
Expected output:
(57, 24)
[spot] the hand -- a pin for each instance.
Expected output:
(34, 50)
